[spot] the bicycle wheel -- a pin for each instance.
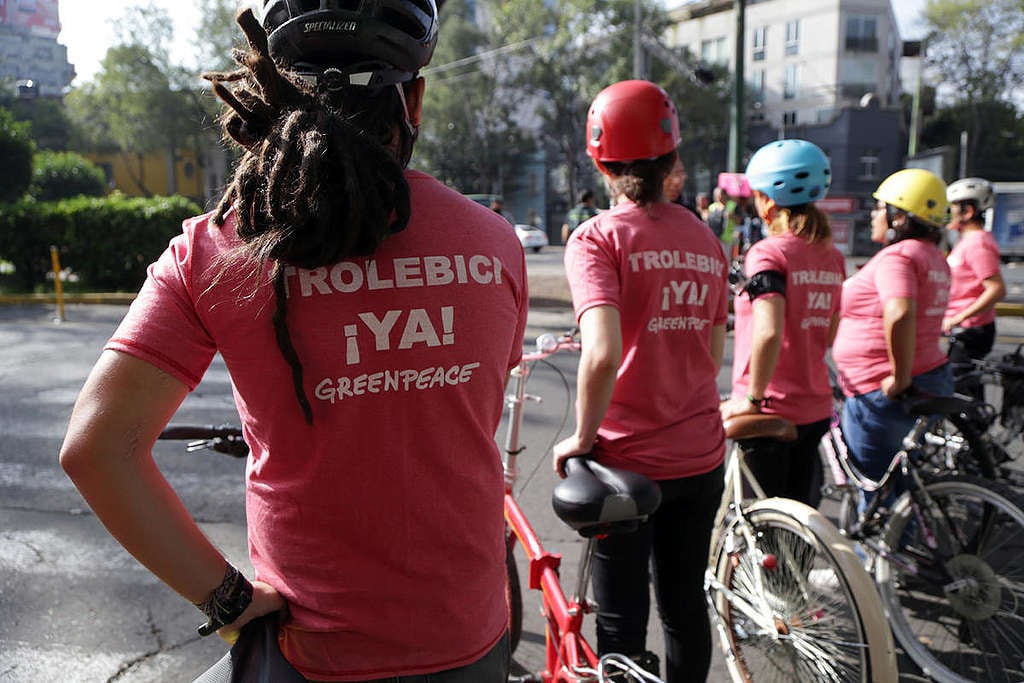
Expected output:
(955, 444)
(959, 610)
(514, 596)
(795, 601)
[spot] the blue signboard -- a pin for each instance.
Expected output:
(1008, 222)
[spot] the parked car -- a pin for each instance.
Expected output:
(531, 237)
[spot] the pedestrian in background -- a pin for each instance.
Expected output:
(672, 188)
(578, 214)
(723, 218)
(653, 332)
(370, 411)
(786, 317)
(891, 319)
(975, 268)
(703, 202)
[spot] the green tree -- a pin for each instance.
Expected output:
(62, 175)
(140, 102)
(577, 48)
(996, 145)
(978, 48)
(470, 138)
(218, 33)
(16, 150)
(51, 127)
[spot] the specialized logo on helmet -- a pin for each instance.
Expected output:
(330, 26)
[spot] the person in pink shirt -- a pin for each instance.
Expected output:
(649, 288)
(369, 317)
(786, 317)
(891, 319)
(977, 280)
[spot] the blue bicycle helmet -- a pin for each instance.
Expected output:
(790, 172)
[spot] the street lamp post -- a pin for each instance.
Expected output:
(736, 111)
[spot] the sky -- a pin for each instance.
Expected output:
(87, 27)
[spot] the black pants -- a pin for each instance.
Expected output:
(256, 658)
(788, 469)
(675, 542)
(965, 345)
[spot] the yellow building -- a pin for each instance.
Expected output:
(158, 174)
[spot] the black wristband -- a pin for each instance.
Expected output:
(227, 601)
(757, 402)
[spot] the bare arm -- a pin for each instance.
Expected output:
(601, 353)
(994, 291)
(900, 325)
(718, 345)
(769, 316)
(108, 454)
(833, 327)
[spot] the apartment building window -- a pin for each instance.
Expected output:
(789, 118)
(857, 77)
(861, 34)
(713, 51)
(757, 81)
(791, 81)
(869, 164)
(760, 41)
(793, 37)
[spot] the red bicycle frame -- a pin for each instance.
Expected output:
(568, 656)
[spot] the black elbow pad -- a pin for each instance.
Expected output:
(766, 282)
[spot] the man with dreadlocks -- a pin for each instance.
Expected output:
(368, 317)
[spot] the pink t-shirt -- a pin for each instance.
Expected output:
(799, 388)
(910, 268)
(664, 271)
(382, 523)
(974, 258)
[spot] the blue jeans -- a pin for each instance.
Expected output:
(675, 543)
(874, 425)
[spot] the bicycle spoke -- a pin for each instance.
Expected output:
(804, 628)
(971, 627)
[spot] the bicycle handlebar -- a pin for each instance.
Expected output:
(226, 439)
(549, 344)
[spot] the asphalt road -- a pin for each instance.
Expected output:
(75, 607)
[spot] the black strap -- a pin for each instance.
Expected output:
(766, 282)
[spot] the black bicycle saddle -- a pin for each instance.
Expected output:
(917, 402)
(595, 500)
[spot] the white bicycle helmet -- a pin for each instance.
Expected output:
(977, 190)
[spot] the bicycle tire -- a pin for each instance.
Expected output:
(955, 445)
(514, 596)
(829, 627)
(968, 628)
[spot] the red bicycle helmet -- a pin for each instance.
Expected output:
(396, 36)
(631, 120)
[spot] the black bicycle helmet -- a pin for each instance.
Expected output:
(368, 42)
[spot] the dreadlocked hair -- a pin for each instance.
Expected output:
(640, 180)
(321, 177)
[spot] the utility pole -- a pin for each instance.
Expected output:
(915, 109)
(638, 48)
(736, 111)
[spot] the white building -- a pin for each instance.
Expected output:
(804, 59)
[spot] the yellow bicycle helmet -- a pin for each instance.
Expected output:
(920, 193)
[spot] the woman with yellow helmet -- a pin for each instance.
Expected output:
(891, 318)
